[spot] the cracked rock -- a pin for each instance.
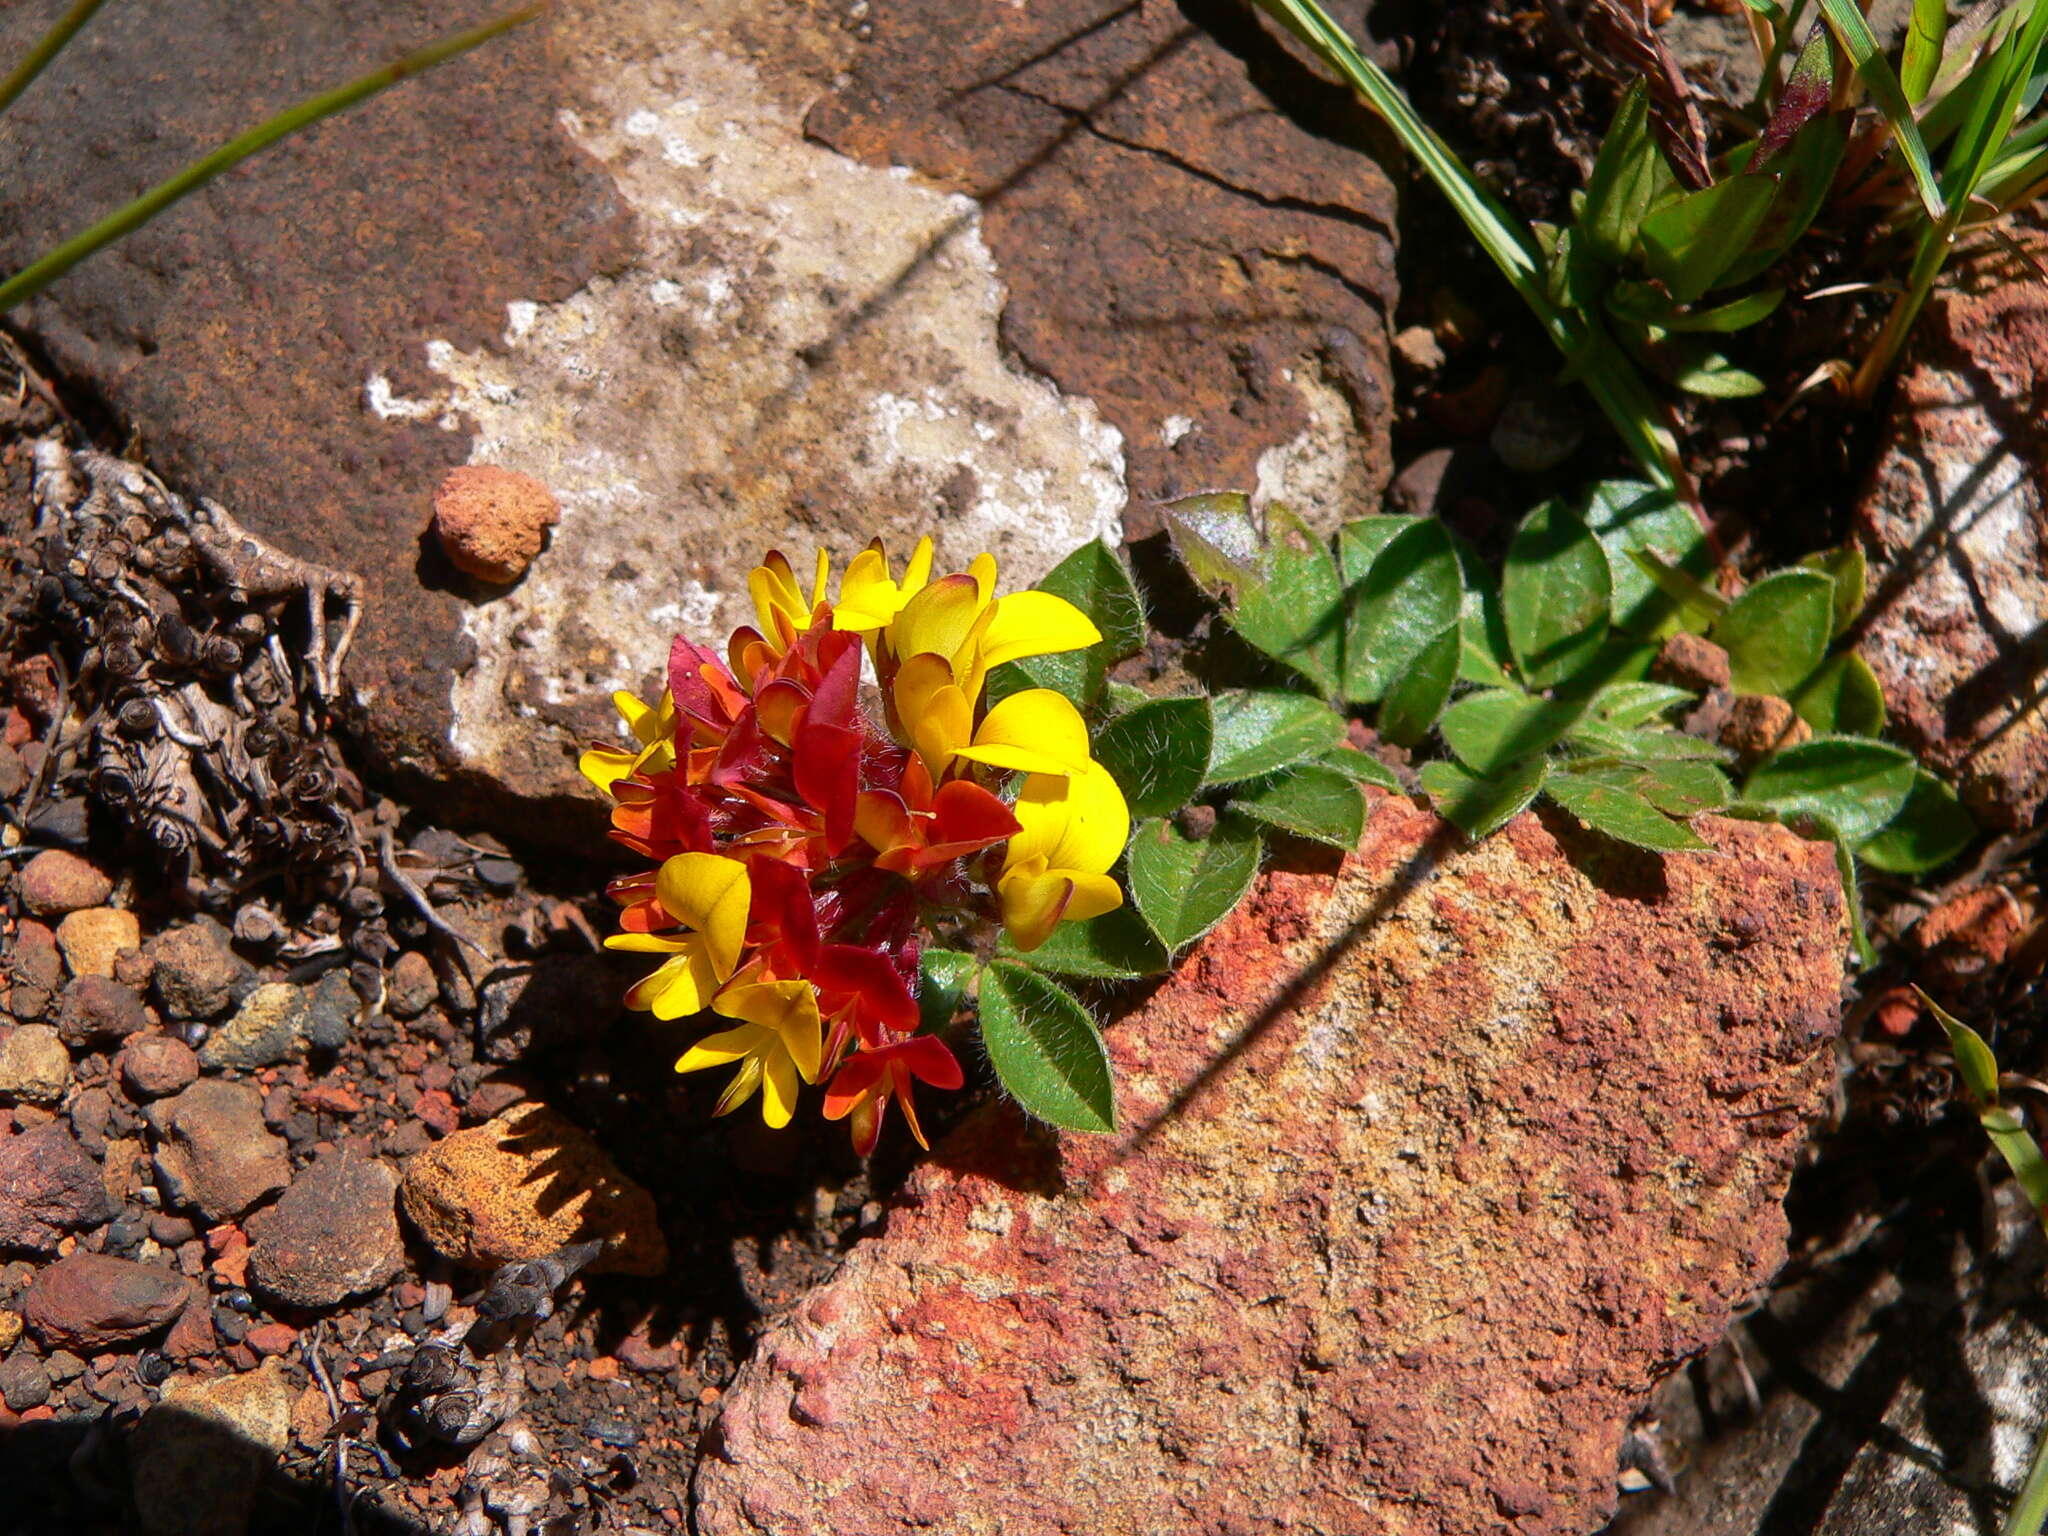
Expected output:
(216, 1153)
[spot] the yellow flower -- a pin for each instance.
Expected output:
(960, 619)
(1035, 731)
(709, 895)
(652, 725)
(1071, 829)
(779, 1042)
(869, 597)
(778, 600)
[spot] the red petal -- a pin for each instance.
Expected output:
(928, 1057)
(881, 998)
(827, 772)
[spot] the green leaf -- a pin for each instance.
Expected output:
(1290, 607)
(1360, 541)
(1930, 829)
(1852, 897)
(1845, 19)
(1854, 784)
(945, 976)
(1158, 753)
(1685, 788)
(1806, 173)
(1216, 538)
(1691, 241)
(1609, 803)
(1713, 377)
(1644, 305)
(1116, 946)
(1182, 888)
(1975, 1064)
(1850, 572)
(1555, 594)
(1417, 699)
(1922, 56)
(1627, 516)
(1697, 603)
(1495, 728)
(1649, 744)
(1842, 697)
(1624, 705)
(1094, 580)
(1629, 178)
(1261, 730)
(1314, 801)
(1478, 807)
(1776, 633)
(1046, 1049)
(1410, 594)
(1362, 767)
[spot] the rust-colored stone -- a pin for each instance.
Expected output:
(1759, 724)
(1425, 1175)
(1955, 524)
(492, 522)
(1187, 223)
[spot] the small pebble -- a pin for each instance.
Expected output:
(154, 1065)
(92, 938)
(34, 1066)
(195, 970)
(410, 990)
(492, 522)
(97, 1010)
(54, 883)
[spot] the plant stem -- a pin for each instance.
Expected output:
(2031, 1508)
(39, 274)
(47, 48)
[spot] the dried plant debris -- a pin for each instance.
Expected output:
(195, 663)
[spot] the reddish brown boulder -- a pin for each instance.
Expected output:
(1425, 1175)
(1956, 527)
(48, 1187)
(89, 1301)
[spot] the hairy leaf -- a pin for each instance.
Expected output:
(1417, 698)
(1555, 594)
(1479, 806)
(1158, 753)
(1116, 946)
(1412, 591)
(1184, 888)
(945, 976)
(1855, 785)
(1492, 729)
(1313, 801)
(1776, 633)
(1630, 515)
(1261, 730)
(1611, 804)
(1930, 829)
(1046, 1049)
(1842, 697)
(1290, 609)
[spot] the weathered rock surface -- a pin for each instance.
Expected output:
(89, 1301)
(1424, 1176)
(195, 969)
(491, 522)
(1189, 229)
(93, 937)
(34, 1066)
(270, 1027)
(527, 1184)
(333, 1234)
(155, 1065)
(200, 1452)
(55, 882)
(215, 1152)
(1955, 523)
(48, 1187)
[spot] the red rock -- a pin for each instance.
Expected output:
(156, 1065)
(192, 1336)
(1425, 1176)
(603, 1368)
(638, 1352)
(333, 1234)
(54, 883)
(271, 1338)
(97, 1010)
(331, 1099)
(89, 1300)
(48, 1187)
(230, 1255)
(492, 522)
(1955, 524)
(437, 1112)
(35, 971)
(216, 1152)
(1969, 932)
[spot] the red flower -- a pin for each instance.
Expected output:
(869, 1079)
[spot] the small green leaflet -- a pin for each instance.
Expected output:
(1930, 829)
(1842, 697)
(1260, 730)
(1046, 1049)
(1608, 801)
(1480, 807)
(1631, 515)
(1314, 801)
(1116, 946)
(1555, 593)
(1628, 179)
(945, 977)
(1158, 753)
(1182, 888)
(1777, 632)
(1363, 767)
(1692, 240)
(1410, 595)
(1495, 727)
(1216, 539)
(1418, 697)
(1290, 606)
(1855, 785)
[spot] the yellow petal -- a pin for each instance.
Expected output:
(727, 1045)
(773, 587)
(741, 1088)
(1036, 731)
(1078, 823)
(712, 895)
(919, 571)
(1032, 900)
(934, 711)
(778, 1091)
(649, 943)
(1032, 623)
(868, 597)
(983, 569)
(1093, 896)
(605, 766)
(687, 985)
(818, 582)
(938, 619)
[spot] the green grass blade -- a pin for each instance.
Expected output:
(1922, 57)
(1612, 379)
(39, 274)
(1845, 20)
(47, 48)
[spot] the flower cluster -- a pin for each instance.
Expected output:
(804, 834)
